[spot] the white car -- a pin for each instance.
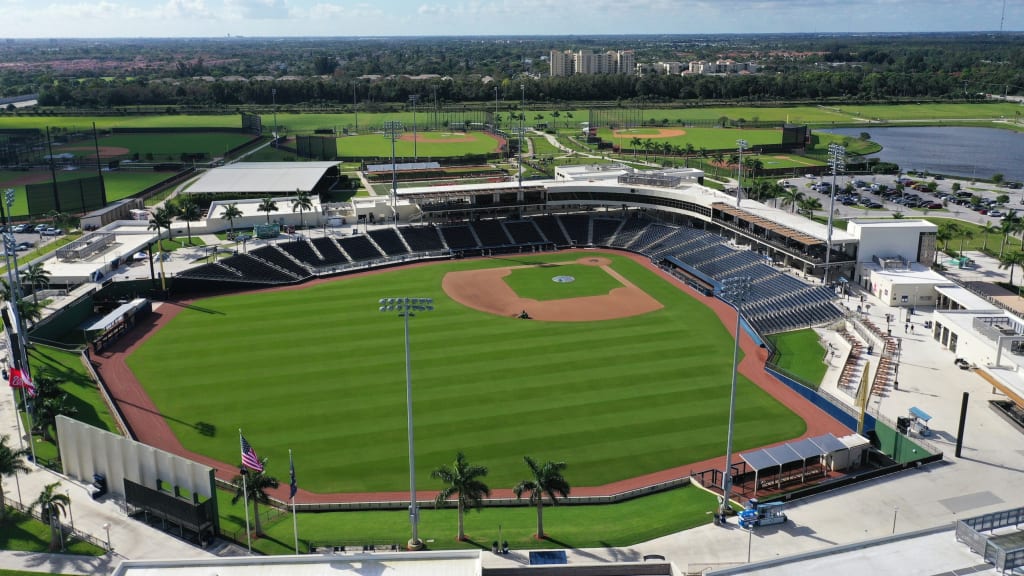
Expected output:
(810, 176)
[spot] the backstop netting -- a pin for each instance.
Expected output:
(71, 196)
(615, 118)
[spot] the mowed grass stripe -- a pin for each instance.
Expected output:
(321, 371)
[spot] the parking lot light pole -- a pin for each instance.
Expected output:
(742, 144)
(414, 99)
(837, 161)
(734, 290)
(406, 307)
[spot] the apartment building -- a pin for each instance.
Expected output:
(722, 67)
(567, 62)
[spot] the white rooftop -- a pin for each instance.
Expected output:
(444, 563)
(261, 178)
(917, 274)
(964, 297)
(893, 223)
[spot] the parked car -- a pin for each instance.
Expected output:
(19, 228)
(995, 213)
(873, 205)
(49, 231)
(933, 206)
(40, 227)
(1015, 185)
(24, 246)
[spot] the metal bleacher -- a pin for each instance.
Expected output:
(604, 230)
(328, 249)
(359, 248)
(278, 259)
(389, 241)
(422, 238)
(548, 225)
(459, 237)
(491, 233)
(523, 232)
(578, 228)
(302, 251)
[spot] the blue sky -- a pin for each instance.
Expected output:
(176, 18)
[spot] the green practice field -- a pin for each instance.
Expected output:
(536, 282)
(319, 370)
(428, 145)
(170, 146)
(119, 184)
(800, 353)
(710, 138)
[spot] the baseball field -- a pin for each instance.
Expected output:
(119, 184)
(319, 370)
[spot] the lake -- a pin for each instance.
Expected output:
(951, 150)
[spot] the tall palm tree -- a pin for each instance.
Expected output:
(568, 116)
(256, 485)
(1011, 260)
(231, 212)
(547, 480)
(791, 197)
(1006, 227)
(462, 479)
(190, 212)
(29, 312)
(12, 461)
(52, 505)
(267, 205)
(634, 143)
(965, 234)
(947, 231)
(985, 230)
(808, 205)
(160, 220)
(302, 203)
(35, 276)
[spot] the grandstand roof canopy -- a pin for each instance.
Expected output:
(403, 166)
(274, 178)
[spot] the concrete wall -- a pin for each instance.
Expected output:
(86, 450)
(900, 238)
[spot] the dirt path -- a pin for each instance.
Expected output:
(150, 427)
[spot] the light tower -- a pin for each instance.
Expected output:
(273, 95)
(406, 307)
(414, 99)
(837, 161)
(742, 144)
(392, 130)
(734, 290)
(522, 115)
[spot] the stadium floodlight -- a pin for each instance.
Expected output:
(392, 130)
(273, 95)
(15, 288)
(522, 116)
(414, 99)
(837, 161)
(743, 145)
(406, 307)
(734, 290)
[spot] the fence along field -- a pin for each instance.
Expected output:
(318, 369)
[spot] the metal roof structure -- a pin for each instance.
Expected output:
(403, 166)
(273, 178)
(792, 452)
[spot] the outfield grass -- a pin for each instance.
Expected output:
(537, 282)
(170, 146)
(932, 111)
(614, 399)
(710, 138)
(800, 354)
(622, 524)
(428, 145)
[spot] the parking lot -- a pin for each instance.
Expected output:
(25, 241)
(875, 195)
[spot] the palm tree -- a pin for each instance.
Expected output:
(464, 480)
(808, 205)
(52, 505)
(29, 312)
(35, 276)
(256, 485)
(965, 234)
(231, 212)
(1011, 260)
(190, 212)
(547, 480)
(12, 461)
(791, 197)
(160, 219)
(1006, 227)
(568, 116)
(267, 205)
(302, 203)
(51, 401)
(948, 230)
(634, 143)
(985, 230)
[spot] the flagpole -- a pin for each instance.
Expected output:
(295, 520)
(245, 498)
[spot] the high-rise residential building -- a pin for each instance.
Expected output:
(561, 62)
(567, 63)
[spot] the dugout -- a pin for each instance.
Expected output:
(792, 462)
(116, 323)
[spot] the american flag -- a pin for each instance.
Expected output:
(249, 458)
(19, 379)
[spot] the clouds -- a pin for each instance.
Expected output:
(162, 18)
